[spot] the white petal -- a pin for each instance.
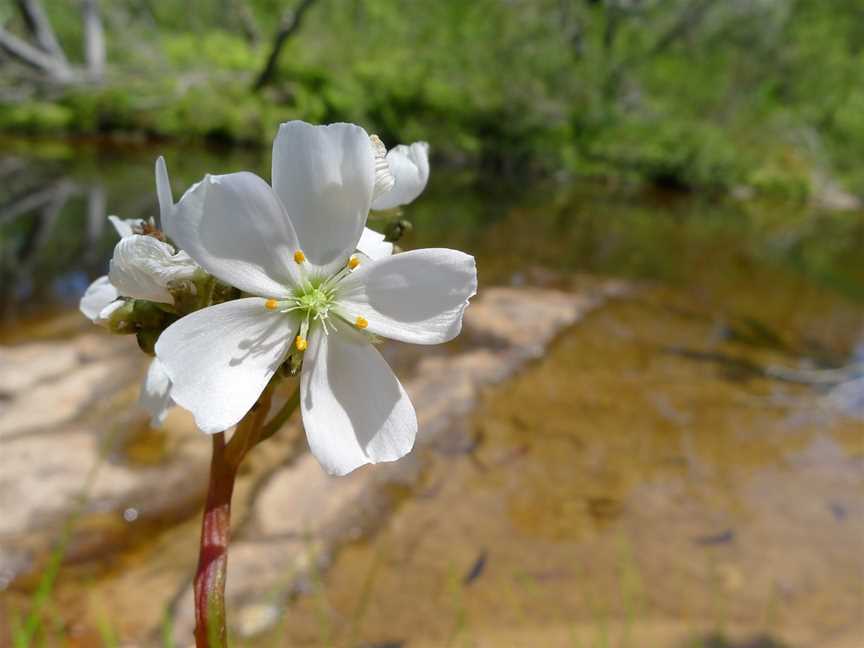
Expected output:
(410, 168)
(416, 296)
(354, 409)
(143, 267)
(155, 396)
(325, 176)
(125, 226)
(105, 313)
(100, 294)
(235, 227)
(384, 179)
(165, 198)
(219, 359)
(373, 245)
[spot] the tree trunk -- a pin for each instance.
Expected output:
(94, 40)
(288, 25)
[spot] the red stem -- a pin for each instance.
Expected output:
(212, 569)
(209, 585)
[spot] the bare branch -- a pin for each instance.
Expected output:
(39, 25)
(288, 25)
(32, 200)
(36, 58)
(247, 21)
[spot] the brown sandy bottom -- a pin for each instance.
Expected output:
(620, 492)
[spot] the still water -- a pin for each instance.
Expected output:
(684, 467)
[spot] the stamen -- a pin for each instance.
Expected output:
(353, 262)
(361, 322)
(271, 304)
(301, 343)
(299, 257)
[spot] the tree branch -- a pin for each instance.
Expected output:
(36, 58)
(39, 25)
(288, 25)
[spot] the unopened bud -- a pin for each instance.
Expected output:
(397, 229)
(147, 340)
(147, 314)
(122, 320)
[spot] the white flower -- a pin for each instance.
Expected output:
(409, 166)
(155, 396)
(310, 296)
(101, 297)
(144, 267)
(99, 301)
(126, 226)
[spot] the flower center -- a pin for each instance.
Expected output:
(314, 300)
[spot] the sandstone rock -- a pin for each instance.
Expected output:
(67, 413)
(301, 515)
(24, 366)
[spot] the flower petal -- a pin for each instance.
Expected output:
(384, 179)
(125, 226)
(354, 409)
(155, 396)
(373, 245)
(143, 267)
(410, 168)
(416, 296)
(235, 227)
(220, 359)
(165, 197)
(96, 298)
(325, 176)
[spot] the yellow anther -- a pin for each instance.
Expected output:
(361, 322)
(300, 343)
(353, 262)
(271, 304)
(299, 257)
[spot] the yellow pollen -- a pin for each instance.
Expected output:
(361, 322)
(301, 343)
(353, 262)
(299, 257)
(271, 304)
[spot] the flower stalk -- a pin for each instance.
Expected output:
(212, 571)
(210, 629)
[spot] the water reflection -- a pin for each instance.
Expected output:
(684, 455)
(54, 204)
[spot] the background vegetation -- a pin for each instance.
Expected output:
(760, 95)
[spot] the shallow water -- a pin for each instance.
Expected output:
(685, 465)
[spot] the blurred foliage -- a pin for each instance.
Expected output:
(684, 93)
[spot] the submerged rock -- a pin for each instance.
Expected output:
(301, 515)
(72, 442)
(67, 415)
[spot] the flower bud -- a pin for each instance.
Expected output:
(122, 320)
(397, 229)
(147, 340)
(148, 315)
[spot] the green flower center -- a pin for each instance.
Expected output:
(314, 302)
